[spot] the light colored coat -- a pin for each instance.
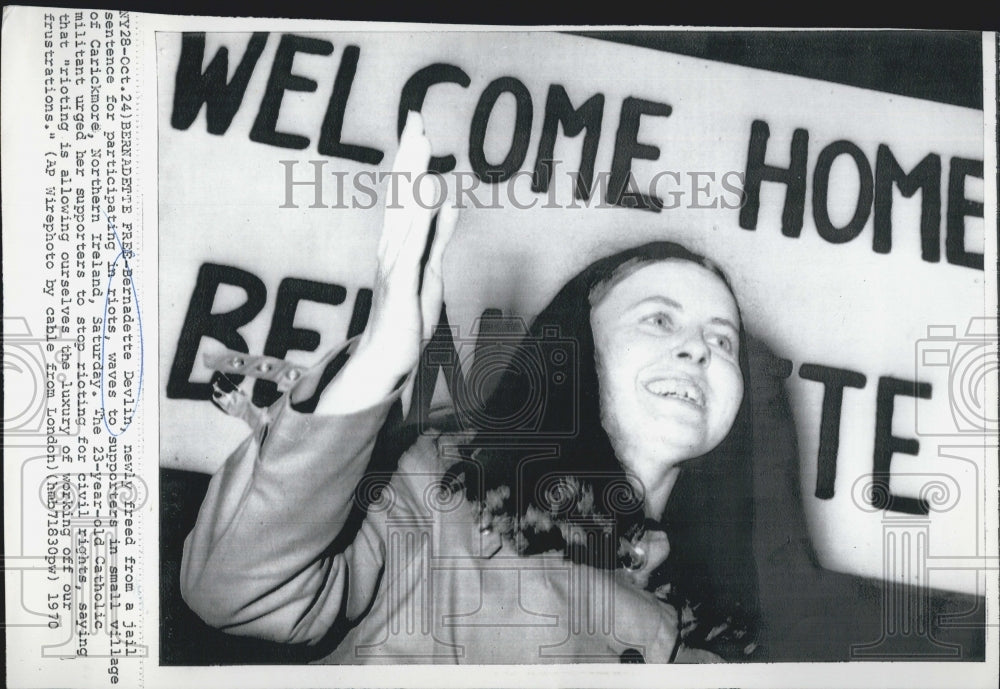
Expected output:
(272, 556)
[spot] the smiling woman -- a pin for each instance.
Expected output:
(667, 348)
(658, 457)
(616, 527)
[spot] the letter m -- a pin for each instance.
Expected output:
(192, 87)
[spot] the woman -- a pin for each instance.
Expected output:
(708, 517)
(487, 546)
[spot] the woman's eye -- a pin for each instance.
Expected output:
(659, 320)
(724, 342)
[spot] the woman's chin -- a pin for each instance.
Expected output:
(675, 441)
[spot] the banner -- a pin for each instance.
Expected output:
(855, 242)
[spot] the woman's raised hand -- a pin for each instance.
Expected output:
(405, 308)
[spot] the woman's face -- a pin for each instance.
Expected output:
(667, 350)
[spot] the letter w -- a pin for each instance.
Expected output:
(192, 87)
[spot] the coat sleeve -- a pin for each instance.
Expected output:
(273, 548)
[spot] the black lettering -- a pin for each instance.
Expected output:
(628, 148)
(959, 208)
(192, 87)
(834, 381)
(485, 170)
(333, 122)
(559, 110)
(793, 177)
(280, 80)
(413, 95)
(359, 316)
(925, 178)
(821, 184)
(886, 444)
(223, 327)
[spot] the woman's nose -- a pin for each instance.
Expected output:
(693, 348)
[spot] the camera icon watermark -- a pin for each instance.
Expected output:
(505, 382)
(970, 362)
(40, 385)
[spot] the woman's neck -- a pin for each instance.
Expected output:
(655, 487)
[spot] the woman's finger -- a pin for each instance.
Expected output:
(411, 161)
(394, 218)
(431, 296)
(432, 289)
(426, 190)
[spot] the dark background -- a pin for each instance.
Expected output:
(845, 14)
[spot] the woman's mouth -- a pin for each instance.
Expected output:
(683, 389)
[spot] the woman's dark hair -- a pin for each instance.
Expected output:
(542, 466)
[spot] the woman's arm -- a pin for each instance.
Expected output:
(406, 303)
(259, 561)
(276, 540)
